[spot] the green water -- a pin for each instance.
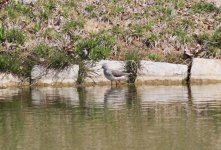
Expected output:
(104, 118)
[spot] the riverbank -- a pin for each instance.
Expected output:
(58, 37)
(56, 34)
(154, 73)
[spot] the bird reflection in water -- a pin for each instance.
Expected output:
(116, 97)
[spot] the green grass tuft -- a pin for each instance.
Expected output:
(133, 59)
(98, 46)
(204, 7)
(15, 36)
(154, 57)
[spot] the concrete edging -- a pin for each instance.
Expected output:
(202, 71)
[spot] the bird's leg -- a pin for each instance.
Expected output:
(111, 83)
(117, 82)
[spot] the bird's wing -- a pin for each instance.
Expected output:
(117, 73)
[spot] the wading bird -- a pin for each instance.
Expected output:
(114, 75)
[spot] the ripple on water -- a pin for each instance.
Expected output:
(143, 117)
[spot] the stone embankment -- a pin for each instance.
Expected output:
(201, 71)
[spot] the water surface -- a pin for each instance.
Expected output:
(100, 118)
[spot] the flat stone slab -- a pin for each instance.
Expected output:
(27, 2)
(161, 72)
(43, 76)
(10, 80)
(205, 70)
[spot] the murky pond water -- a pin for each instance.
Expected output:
(119, 118)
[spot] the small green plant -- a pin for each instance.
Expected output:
(51, 57)
(36, 27)
(73, 25)
(212, 51)
(41, 50)
(174, 58)
(15, 36)
(216, 38)
(90, 8)
(154, 57)
(114, 9)
(117, 30)
(202, 38)
(10, 63)
(179, 3)
(2, 34)
(204, 7)
(11, 12)
(211, 42)
(51, 33)
(151, 39)
(46, 8)
(182, 35)
(70, 3)
(137, 30)
(186, 23)
(133, 64)
(23, 9)
(95, 47)
(15, 10)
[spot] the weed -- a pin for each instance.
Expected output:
(23, 9)
(154, 57)
(138, 30)
(41, 50)
(51, 34)
(210, 39)
(2, 34)
(202, 38)
(114, 9)
(46, 9)
(133, 64)
(15, 36)
(117, 30)
(90, 8)
(186, 23)
(70, 3)
(182, 35)
(51, 57)
(10, 63)
(216, 38)
(15, 9)
(178, 3)
(95, 47)
(11, 12)
(212, 51)
(73, 25)
(174, 58)
(36, 27)
(204, 7)
(151, 40)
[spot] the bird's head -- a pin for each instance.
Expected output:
(104, 66)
